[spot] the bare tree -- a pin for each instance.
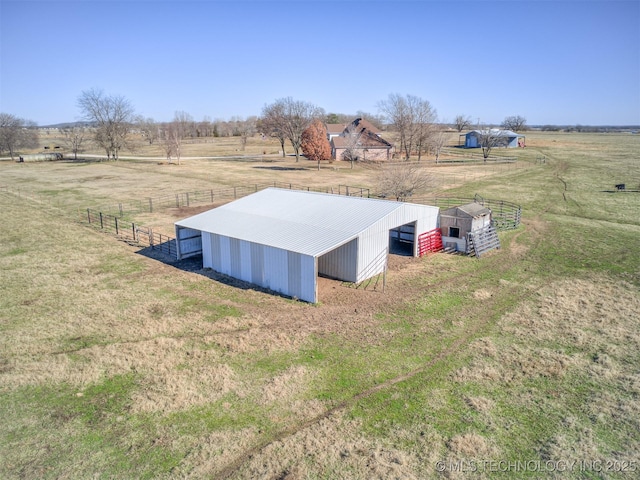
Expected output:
(396, 112)
(184, 124)
(205, 127)
(16, 133)
(171, 139)
(516, 123)
(412, 117)
(148, 129)
(401, 181)
(489, 138)
(112, 116)
(424, 117)
(462, 122)
(437, 141)
(352, 144)
(294, 116)
(247, 129)
(73, 138)
(222, 128)
(273, 123)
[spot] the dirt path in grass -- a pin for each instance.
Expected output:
(480, 315)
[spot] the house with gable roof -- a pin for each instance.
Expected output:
(358, 140)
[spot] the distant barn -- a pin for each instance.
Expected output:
(503, 138)
(283, 239)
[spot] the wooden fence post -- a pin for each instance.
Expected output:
(89, 216)
(101, 225)
(133, 230)
(116, 219)
(150, 205)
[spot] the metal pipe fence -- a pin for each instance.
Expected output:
(130, 232)
(506, 215)
(111, 218)
(210, 196)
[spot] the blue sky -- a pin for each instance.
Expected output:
(553, 62)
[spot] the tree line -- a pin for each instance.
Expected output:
(113, 119)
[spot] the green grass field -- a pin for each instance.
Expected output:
(523, 364)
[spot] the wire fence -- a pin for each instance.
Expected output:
(210, 196)
(132, 233)
(112, 218)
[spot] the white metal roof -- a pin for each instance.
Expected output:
(304, 222)
(497, 132)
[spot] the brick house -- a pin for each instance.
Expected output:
(358, 139)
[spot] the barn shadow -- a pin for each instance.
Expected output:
(194, 265)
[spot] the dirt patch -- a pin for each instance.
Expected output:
(184, 212)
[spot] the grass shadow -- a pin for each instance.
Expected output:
(282, 168)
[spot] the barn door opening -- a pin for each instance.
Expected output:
(402, 239)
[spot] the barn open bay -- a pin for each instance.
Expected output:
(114, 364)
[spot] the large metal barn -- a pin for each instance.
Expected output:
(283, 239)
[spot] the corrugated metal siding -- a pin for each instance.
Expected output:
(245, 264)
(216, 253)
(309, 276)
(280, 238)
(190, 246)
(341, 263)
(187, 232)
(294, 279)
(268, 267)
(276, 269)
(207, 255)
(257, 264)
(373, 242)
(188, 241)
(225, 254)
(235, 259)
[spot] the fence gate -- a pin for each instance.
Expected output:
(144, 235)
(430, 242)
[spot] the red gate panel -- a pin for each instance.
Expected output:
(430, 242)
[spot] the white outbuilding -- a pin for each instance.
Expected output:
(283, 239)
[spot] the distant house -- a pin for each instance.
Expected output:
(335, 130)
(503, 138)
(358, 140)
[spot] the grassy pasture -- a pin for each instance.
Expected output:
(114, 365)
